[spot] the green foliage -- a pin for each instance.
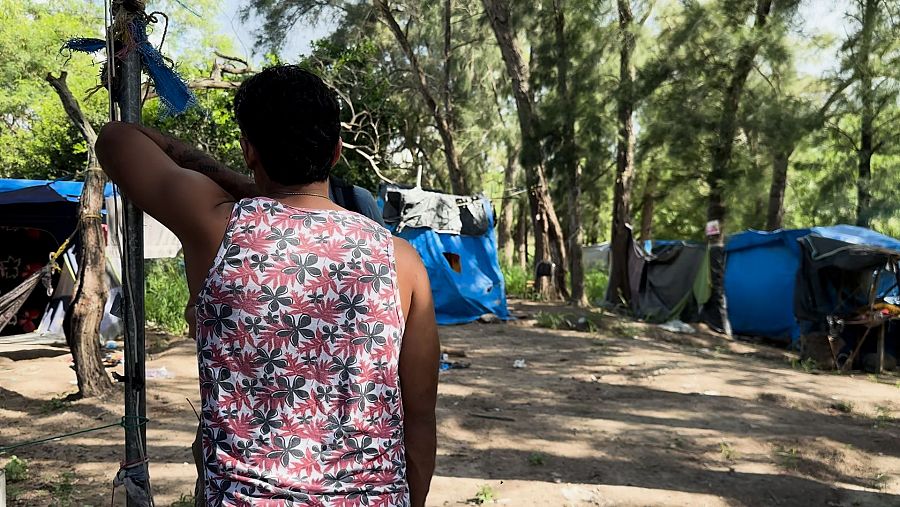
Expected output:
(516, 279)
(787, 457)
(808, 365)
(62, 489)
(167, 294)
(727, 451)
(16, 469)
(485, 494)
(844, 407)
(595, 283)
(536, 459)
(184, 500)
(56, 403)
(551, 320)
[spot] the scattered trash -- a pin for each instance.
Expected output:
(448, 352)
(111, 360)
(677, 326)
(111, 345)
(519, 363)
(594, 378)
(492, 417)
(159, 373)
(454, 365)
(489, 318)
(710, 393)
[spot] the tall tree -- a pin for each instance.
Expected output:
(722, 148)
(548, 236)
(619, 288)
(89, 298)
(569, 155)
(441, 115)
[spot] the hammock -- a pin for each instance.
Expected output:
(12, 301)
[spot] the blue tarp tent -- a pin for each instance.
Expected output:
(761, 273)
(463, 266)
(51, 206)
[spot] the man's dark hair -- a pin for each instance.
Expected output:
(293, 120)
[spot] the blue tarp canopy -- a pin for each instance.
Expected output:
(858, 236)
(464, 269)
(67, 190)
(51, 206)
(761, 274)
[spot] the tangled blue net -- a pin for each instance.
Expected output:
(171, 89)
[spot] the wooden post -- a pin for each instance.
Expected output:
(881, 348)
(2, 488)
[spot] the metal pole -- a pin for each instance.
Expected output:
(129, 100)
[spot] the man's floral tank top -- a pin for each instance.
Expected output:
(299, 328)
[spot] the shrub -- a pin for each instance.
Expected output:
(516, 280)
(167, 294)
(595, 283)
(16, 469)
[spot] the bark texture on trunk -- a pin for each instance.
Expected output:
(722, 150)
(548, 236)
(522, 236)
(441, 120)
(648, 204)
(91, 289)
(619, 291)
(867, 119)
(727, 125)
(508, 208)
(571, 166)
(775, 214)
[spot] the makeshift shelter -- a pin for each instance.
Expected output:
(760, 275)
(669, 280)
(454, 235)
(36, 218)
(847, 286)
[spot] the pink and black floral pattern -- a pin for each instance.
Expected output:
(299, 329)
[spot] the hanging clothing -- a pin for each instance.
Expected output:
(299, 329)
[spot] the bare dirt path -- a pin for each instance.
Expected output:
(624, 416)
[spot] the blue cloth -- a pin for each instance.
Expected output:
(760, 275)
(858, 236)
(68, 190)
(477, 289)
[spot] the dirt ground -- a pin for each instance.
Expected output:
(625, 415)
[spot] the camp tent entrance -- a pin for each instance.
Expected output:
(454, 235)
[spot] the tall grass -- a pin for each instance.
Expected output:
(516, 279)
(595, 282)
(167, 294)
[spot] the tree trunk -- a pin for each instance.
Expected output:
(727, 126)
(91, 291)
(775, 215)
(867, 119)
(522, 235)
(569, 154)
(441, 120)
(507, 208)
(648, 203)
(547, 229)
(619, 291)
(726, 130)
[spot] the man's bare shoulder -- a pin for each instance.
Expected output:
(408, 258)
